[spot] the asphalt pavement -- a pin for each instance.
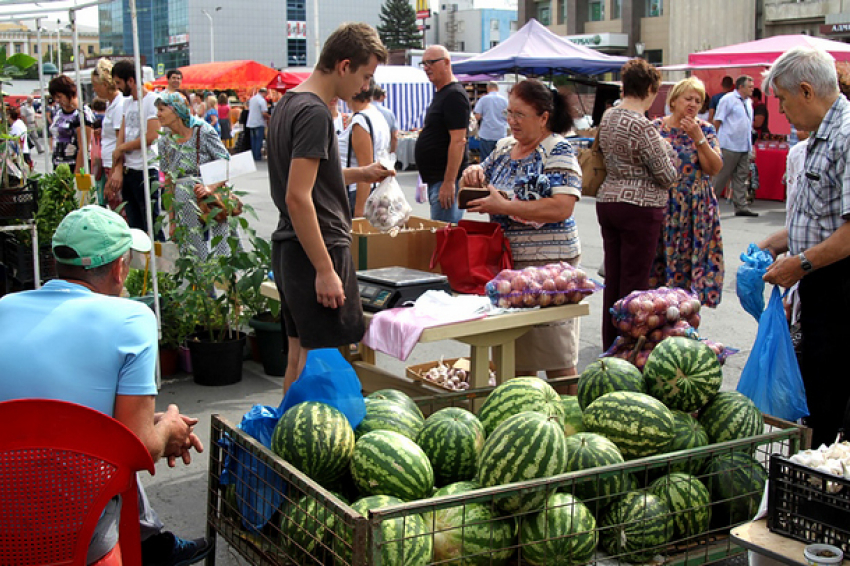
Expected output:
(179, 494)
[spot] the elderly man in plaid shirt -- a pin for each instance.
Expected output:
(818, 235)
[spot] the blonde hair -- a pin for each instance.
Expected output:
(211, 102)
(683, 86)
(103, 72)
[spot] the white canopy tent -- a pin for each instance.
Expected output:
(23, 10)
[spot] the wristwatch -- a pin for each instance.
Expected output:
(702, 141)
(805, 263)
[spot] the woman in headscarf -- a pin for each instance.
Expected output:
(192, 143)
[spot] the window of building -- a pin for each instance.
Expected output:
(562, 9)
(514, 26)
(296, 10)
(493, 44)
(35, 48)
(654, 8)
(19, 48)
(654, 56)
(461, 26)
(296, 51)
(461, 46)
(596, 10)
(616, 9)
(543, 15)
(494, 24)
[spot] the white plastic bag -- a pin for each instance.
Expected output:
(386, 208)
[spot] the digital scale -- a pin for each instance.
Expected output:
(390, 287)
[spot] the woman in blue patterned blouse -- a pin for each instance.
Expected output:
(538, 170)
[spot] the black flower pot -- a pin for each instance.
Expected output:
(272, 343)
(216, 363)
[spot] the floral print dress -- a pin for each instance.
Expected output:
(690, 251)
(182, 161)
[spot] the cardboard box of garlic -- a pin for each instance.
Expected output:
(451, 374)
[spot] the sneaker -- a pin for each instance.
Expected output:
(746, 212)
(166, 549)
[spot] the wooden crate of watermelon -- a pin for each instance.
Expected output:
(621, 473)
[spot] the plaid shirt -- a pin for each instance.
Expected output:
(823, 195)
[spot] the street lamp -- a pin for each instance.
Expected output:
(639, 47)
(212, 32)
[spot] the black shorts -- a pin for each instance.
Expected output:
(315, 325)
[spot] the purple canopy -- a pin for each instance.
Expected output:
(534, 50)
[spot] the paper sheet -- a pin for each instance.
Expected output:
(226, 170)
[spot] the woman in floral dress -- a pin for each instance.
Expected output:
(690, 251)
(539, 171)
(192, 143)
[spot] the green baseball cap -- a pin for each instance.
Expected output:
(93, 236)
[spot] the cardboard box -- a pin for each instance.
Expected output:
(412, 247)
(417, 372)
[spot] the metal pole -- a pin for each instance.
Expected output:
(143, 138)
(316, 46)
(58, 47)
(212, 35)
(43, 98)
(83, 143)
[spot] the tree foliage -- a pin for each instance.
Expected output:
(398, 28)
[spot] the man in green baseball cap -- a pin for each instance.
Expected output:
(76, 340)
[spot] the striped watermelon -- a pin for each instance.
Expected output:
(470, 534)
(736, 483)
(516, 396)
(315, 438)
(526, 446)
(687, 434)
(572, 415)
(303, 525)
(689, 501)
(638, 424)
(586, 450)
(562, 534)
(683, 373)
(607, 375)
(389, 463)
(452, 438)
(406, 541)
(636, 527)
(730, 416)
(396, 395)
(389, 414)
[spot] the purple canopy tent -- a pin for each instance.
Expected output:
(534, 50)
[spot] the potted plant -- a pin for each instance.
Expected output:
(12, 165)
(265, 319)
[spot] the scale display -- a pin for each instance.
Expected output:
(390, 287)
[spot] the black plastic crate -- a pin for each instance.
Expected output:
(808, 505)
(18, 259)
(19, 204)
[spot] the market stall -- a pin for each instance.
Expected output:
(241, 76)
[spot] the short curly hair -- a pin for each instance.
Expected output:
(640, 79)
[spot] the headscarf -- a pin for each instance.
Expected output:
(176, 102)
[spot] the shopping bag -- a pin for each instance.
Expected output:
(471, 253)
(771, 377)
(387, 208)
(749, 285)
(421, 191)
(593, 171)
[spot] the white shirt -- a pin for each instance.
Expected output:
(256, 107)
(133, 130)
(110, 127)
(736, 115)
(19, 130)
(380, 137)
(795, 165)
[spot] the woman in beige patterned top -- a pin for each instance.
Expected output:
(631, 202)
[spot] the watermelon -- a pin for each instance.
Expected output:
(470, 534)
(405, 541)
(683, 373)
(389, 463)
(689, 501)
(638, 424)
(452, 438)
(607, 375)
(526, 446)
(516, 396)
(303, 525)
(315, 438)
(687, 434)
(730, 416)
(736, 483)
(562, 534)
(389, 414)
(572, 415)
(636, 527)
(399, 396)
(586, 450)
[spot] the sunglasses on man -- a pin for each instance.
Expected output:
(430, 62)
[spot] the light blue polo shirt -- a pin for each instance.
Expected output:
(66, 342)
(494, 119)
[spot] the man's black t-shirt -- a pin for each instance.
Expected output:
(449, 110)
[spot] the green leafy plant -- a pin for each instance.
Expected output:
(13, 66)
(57, 196)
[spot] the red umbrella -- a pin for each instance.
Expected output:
(286, 80)
(229, 75)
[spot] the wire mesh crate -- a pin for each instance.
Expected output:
(808, 505)
(18, 258)
(19, 204)
(273, 514)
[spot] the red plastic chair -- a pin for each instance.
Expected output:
(60, 463)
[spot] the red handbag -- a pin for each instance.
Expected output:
(471, 253)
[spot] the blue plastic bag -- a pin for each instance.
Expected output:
(772, 376)
(750, 285)
(328, 378)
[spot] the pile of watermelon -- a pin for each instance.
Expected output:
(526, 431)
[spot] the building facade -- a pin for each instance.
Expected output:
(813, 17)
(21, 38)
(474, 30)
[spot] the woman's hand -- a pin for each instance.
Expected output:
(692, 128)
(202, 191)
(473, 176)
(492, 204)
